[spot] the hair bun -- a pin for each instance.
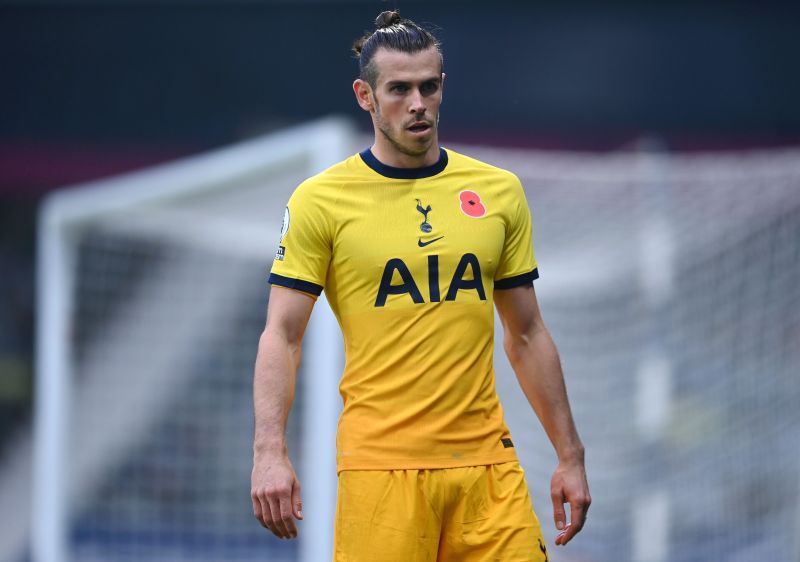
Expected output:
(386, 19)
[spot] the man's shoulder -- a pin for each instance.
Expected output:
(468, 163)
(337, 172)
(334, 177)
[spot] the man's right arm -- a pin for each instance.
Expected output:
(275, 490)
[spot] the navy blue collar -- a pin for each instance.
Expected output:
(404, 173)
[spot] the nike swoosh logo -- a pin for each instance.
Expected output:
(423, 244)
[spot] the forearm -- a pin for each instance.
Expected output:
(275, 490)
(535, 360)
(273, 391)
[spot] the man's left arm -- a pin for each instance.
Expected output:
(535, 360)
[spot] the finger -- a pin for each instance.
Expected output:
(566, 535)
(286, 517)
(569, 531)
(559, 516)
(278, 528)
(257, 512)
(297, 503)
(561, 537)
(577, 516)
(266, 515)
(256, 508)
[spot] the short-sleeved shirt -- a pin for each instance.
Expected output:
(409, 260)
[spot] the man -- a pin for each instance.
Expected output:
(412, 243)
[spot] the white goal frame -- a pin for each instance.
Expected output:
(64, 214)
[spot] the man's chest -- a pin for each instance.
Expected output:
(424, 245)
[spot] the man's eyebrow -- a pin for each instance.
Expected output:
(390, 83)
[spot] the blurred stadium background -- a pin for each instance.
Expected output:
(659, 146)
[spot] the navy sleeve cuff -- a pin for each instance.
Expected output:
(299, 284)
(517, 280)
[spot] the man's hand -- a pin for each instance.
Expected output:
(569, 485)
(275, 491)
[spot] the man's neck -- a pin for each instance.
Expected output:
(389, 155)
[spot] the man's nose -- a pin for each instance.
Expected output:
(417, 103)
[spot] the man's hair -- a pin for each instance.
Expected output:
(391, 32)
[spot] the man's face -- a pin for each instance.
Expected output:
(406, 97)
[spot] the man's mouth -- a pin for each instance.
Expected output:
(419, 127)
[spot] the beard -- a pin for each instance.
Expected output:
(411, 147)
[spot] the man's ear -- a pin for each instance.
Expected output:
(363, 92)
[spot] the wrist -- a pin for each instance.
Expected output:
(269, 448)
(571, 455)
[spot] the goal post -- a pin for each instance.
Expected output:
(171, 200)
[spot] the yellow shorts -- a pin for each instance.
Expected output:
(467, 514)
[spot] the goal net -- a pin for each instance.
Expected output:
(671, 285)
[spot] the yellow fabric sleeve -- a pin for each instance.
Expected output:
(304, 252)
(517, 265)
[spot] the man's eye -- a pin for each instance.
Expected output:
(399, 88)
(429, 87)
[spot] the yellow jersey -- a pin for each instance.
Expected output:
(409, 260)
